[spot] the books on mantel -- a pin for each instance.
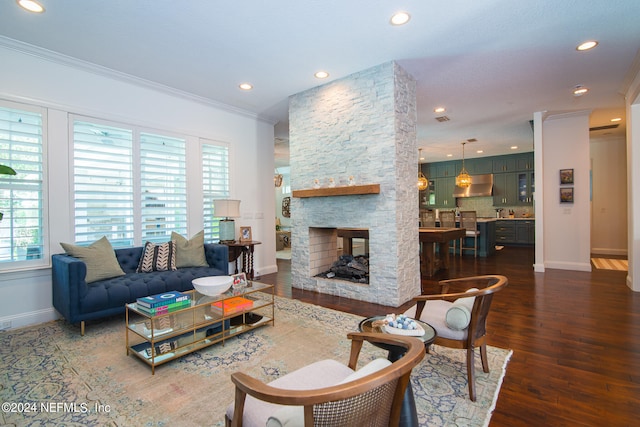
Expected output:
(163, 303)
(232, 305)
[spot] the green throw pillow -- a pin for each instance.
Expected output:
(190, 253)
(99, 257)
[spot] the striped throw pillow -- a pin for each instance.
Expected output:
(158, 257)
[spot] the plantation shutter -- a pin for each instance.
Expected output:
(21, 195)
(103, 183)
(215, 181)
(163, 187)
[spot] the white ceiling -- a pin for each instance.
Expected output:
(491, 63)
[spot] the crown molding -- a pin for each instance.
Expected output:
(69, 61)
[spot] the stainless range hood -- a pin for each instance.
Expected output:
(481, 185)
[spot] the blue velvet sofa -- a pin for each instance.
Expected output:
(78, 301)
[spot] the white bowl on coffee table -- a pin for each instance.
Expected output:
(212, 285)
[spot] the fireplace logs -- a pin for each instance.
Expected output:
(349, 267)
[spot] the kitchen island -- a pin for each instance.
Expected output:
(487, 237)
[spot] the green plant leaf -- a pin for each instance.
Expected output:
(6, 170)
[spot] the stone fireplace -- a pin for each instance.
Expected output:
(351, 134)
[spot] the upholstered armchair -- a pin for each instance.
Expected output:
(329, 392)
(460, 317)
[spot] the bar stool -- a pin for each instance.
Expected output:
(427, 218)
(448, 220)
(469, 221)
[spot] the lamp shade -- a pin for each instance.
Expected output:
(226, 208)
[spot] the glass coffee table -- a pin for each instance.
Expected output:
(408, 414)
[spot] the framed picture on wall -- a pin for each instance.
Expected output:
(566, 176)
(245, 234)
(566, 195)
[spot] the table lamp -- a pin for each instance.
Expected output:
(228, 209)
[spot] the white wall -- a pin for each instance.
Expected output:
(633, 179)
(567, 242)
(609, 203)
(65, 86)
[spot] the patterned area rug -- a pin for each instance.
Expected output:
(610, 264)
(55, 376)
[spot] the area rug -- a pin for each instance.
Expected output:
(610, 264)
(54, 376)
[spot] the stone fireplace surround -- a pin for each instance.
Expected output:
(362, 126)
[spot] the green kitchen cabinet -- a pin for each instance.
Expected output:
(525, 232)
(526, 187)
(444, 193)
(479, 166)
(505, 189)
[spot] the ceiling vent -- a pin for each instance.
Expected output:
(593, 129)
(472, 140)
(442, 119)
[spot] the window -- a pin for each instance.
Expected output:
(103, 183)
(22, 228)
(215, 182)
(164, 187)
(128, 185)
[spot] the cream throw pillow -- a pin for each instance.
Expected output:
(190, 253)
(99, 257)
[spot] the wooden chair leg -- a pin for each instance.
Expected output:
(484, 359)
(470, 374)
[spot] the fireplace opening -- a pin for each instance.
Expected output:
(349, 267)
(339, 253)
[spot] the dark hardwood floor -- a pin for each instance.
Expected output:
(575, 338)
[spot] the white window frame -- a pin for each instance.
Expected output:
(210, 223)
(44, 255)
(137, 198)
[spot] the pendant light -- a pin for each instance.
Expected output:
(422, 180)
(463, 180)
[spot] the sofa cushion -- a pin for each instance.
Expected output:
(190, 252)
(118, 291)
(99, 258)
(160, 257)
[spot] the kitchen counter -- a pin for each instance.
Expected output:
(519, 218)
(491, 219)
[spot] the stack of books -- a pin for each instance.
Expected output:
(231, 306)
(163, 303)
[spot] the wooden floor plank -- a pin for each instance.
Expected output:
(575, 336)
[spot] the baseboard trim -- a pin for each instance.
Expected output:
(605, 251)
(27, 319)
(538, 268)
(575, 266)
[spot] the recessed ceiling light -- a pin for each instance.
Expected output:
(449, 155)
(439, 110)
(480, 151)
(580, 90)
(245, 86)
(617, 119)
(587, 45)
(321, 75)
(31, 5)
(514, 147)
(400, 18)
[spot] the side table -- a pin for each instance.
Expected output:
(408, 414)
(245, 249)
